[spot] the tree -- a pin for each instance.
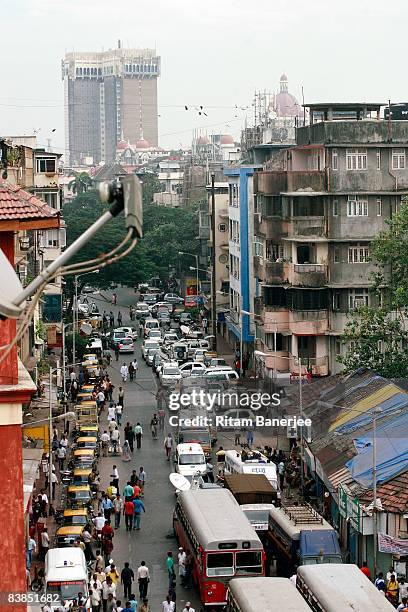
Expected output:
(80, 182)
(378, 333)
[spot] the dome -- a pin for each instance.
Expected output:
(227, 139)
(286, 104)
(283, 77)
(202, 141)
(142, 144)
(122, 144)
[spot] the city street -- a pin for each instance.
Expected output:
(155, 538)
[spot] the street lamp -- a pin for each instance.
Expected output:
(196, 258)
(75, 313)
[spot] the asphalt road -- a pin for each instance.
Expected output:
(155, 538)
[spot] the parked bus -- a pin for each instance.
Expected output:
(330, 587)
(223, 544)
(264, 594)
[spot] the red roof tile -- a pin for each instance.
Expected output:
(393, 494)
(17, 204)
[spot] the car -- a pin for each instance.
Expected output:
(148, 344)
(126, 345)
(173, 298)
(150, 354)
(130, 331)
(154, 333)
(117, 335)
(192, 368)
(170, 373)
(169, 338)
(150, 298)
(177, 311)
(199, 354)
(190, 301)
(149, 324)
(87, 289)
(141, 309)
(221, 375)
(185, 318)
(216, 362)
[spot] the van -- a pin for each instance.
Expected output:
(66, 575)
(150, 324)
(190, 459)
(250, 462)
(222, 375)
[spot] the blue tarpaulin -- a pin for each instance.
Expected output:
(391, 450)
(397, 402)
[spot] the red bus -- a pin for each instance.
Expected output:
(210, 524)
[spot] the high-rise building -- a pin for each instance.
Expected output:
(109, 96)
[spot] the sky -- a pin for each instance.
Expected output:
(214, 53)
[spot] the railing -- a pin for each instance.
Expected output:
(312, 226)
(299, 316)
(309, 268)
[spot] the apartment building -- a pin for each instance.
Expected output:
(317, 207)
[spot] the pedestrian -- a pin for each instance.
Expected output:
(365, 569)
(237, 436)
(392, 589)
(403, 605)
(403, 588)
(119, 410)
(128, 511)
(138, 431)
(138, 508)
(61, 454)
(142, 480)
(124, 372)
(135, 367)
(168, 445)
(145, 606)
(105, 439)
(127, 576)
(170, 565)
(111, 603)
(114, 298)
(128, 490)
(168, 605)
(380, 582)
(45, 543)
(126, 454)
(115, 439)
(113, 573)
(161, 415)
(107, 547)
(133, 478)
(281, 474)
(115, 476)
(181, 563)
(54, 482)
(188, 607)
(250, 436)
(100, 400)
(133, 602)
(131, 371)
(96, 597)
(106, 507)
(136, 490)
(188, 564)
(118, 509)
(129, 435)
(31, 549)
(111, 319)
(120, 319)
(112, 412)
(153, 426)
(121, 395)
(143, 578)
(117, 352)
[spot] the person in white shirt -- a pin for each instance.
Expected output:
(108, 587)
(61, 454)
(143, 578)
(115, 439)
(99, 522)
(119, 410)
(181, 563)
(105, 439)
(72, 376)
(188, 607)
(100, 400)
(95, 595)
(168, 605)
(64, 441)
(115, 476)
(112, 412)
(45, 543)
(124, 372)
(112, 425)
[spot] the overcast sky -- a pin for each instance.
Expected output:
(213, 52)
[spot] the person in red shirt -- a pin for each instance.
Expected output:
(136, 491)
(107, 532)
(365, 569)
(128, 511)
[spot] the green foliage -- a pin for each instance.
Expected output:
(150, 185)
(80, 182)
(379, 334)
(40, 331)
(80, 346)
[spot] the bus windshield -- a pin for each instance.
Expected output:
(220, 564)
(191, 459)
(248, 562)
(67, 590)
(191, 435)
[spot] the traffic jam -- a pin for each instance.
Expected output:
(248, 547)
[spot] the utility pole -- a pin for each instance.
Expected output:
(302, 477)
(375, 523)
(213, 260)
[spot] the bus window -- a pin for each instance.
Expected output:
(220, 564)
(248, 563)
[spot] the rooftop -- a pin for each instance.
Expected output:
(20, 209)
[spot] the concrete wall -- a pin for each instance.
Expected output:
(354, 132)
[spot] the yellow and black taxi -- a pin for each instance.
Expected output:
(66, 536)
(84, 458)
(79, 496)
(81, 476)
(76, 517)
(88, 442)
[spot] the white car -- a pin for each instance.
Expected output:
(126, 345)
(169, 373)
(142, 309)
(149, 344)
(221, 375)
(169, 338)
(130, 331)
(154, 334)
(192, 368)
(173, 298)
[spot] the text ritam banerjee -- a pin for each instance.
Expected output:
(224, 421)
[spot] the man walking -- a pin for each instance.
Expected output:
(143, 578)
(135, 367)
(61, 454)
(45, 543)
(138, 508)
(127, 576)
(128, 511)
(124, 372)
(121, 396)
(168, 445)
(118, 509)
(105, 439)
(142, 480)
(138, 431)
(131, 371)
(129, 435)
(115, 477)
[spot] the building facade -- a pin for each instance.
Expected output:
(109, 96)
(317, 208)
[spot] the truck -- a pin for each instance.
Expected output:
(298, 535)
(250, 488)
(250, 462)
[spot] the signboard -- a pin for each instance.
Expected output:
(52, 335)
(350, 509)
(392, 546)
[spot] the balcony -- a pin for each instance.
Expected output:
(233, 317)
(259, 269)
(275, 272)
(313, 227)
(275, 182)
(308, 275)
(308, 322)
(285, 362)
(203, 232)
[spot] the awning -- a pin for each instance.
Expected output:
(31, 464)
(392, 546)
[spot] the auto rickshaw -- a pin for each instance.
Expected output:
(91, 358)
(85, 396)
(79, 496)
(76, 516)
(66, 536)
(92, 372)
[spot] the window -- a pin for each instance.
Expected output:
(275, 252)
(337, 347)
(335, 160)
(379, 207)
(358, 254)
(220, 564)
(336, 300)
(45, 164)
(357, 206)
(222, 227)
(335, 208)
(358, 298)
(336, 255)
(378, 159)
(50, 197)
(248, 562)
(51, 238)
(398, 159)
(258, 247)
(356, 159)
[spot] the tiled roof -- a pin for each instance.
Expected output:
(17, 204)
(393, 494)
(109, 172)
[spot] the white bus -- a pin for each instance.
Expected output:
(330, 587)
(250, 462)
(264, 595)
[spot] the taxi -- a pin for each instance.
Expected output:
(86, 413)
(90, 442)
(79, 496)
(84, 458)
(81, 476)
(66, 536)
(89, 358)
(85, 396)
(76, 517)
(89, 431)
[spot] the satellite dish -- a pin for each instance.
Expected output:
(86, 328)
(179, 482)
(11, 288)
